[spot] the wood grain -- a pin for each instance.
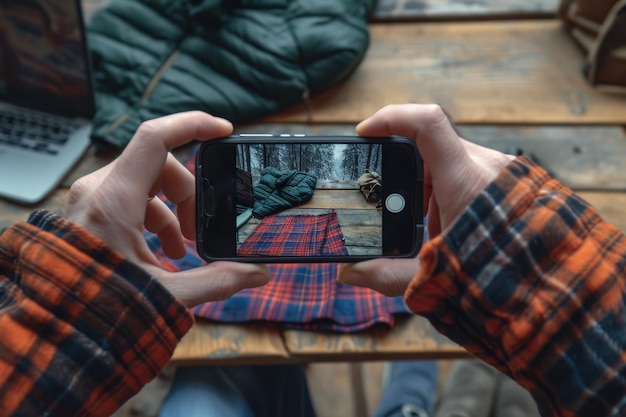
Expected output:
(221, 343)
(454, 9)
(610, 205)
(581, 157)
(520, 72)
(411, 338)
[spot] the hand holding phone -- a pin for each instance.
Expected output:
(262, 198)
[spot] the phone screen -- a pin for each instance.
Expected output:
(309, 199)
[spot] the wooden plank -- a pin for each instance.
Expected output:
(520, 72)
(610, 205)
(411, 338)
(361, 240)
(90, 7)
(581, 157)
(359, 218)
(458, 9)
(221, 343)
(338, 199)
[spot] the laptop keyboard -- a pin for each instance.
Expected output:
(36, 132)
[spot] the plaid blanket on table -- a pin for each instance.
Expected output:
(296, 235)
(299, 296)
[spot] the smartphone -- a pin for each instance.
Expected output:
(296, 198)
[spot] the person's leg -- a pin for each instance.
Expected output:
(274, 390)
(204, 391)
(512, 400)
(410, 389)
(469, 390)
(246, 391)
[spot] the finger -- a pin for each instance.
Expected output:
(187, 218)
(213, 282)
(177, 182)
(434, 218)
(389, 277)
(428, 125)
(428, 189)
(145, 155)
(162, 222)
(178, 185)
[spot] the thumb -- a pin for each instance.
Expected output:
(455, 178)
(427, 124)
(213, 282)
(389, 277)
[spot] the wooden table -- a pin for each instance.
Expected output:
(512, 83)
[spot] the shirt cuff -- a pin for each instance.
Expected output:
(114, 318)
(530, 279)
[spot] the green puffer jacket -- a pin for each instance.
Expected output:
(279, 190)
(240, 60)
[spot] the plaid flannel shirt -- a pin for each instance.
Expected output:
(531, 280)
(81, 329)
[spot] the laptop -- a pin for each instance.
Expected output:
(46, 95)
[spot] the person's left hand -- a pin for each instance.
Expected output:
(113, 203)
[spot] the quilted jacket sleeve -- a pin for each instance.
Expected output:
(280, 190)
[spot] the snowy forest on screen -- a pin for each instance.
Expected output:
(339, 162)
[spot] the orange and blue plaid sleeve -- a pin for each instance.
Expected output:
(81, 328)
(531, 279)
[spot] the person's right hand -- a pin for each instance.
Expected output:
(456, 172)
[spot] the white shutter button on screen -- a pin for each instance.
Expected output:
(394, 203)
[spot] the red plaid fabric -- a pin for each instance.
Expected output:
(300, 235)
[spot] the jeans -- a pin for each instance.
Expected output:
(475, 389)
(282, 390)
(242, 391)
(411, 388)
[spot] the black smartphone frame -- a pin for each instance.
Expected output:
(216, 230)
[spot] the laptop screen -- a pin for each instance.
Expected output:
(43, 56)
